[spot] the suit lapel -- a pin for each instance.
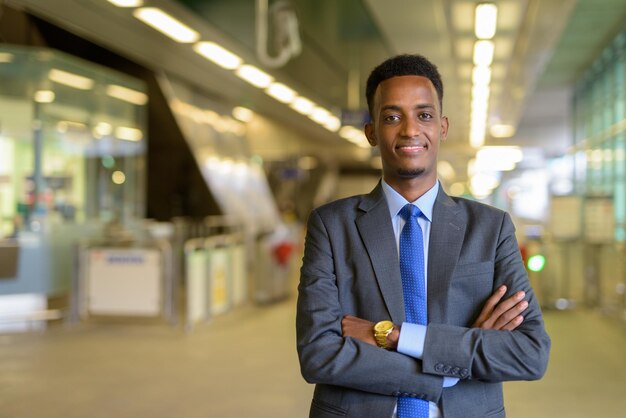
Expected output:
(376, 231)
(446, 238)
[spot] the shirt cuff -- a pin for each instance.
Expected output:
(449, 381)
(412, 338)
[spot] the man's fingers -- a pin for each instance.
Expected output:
(506, 305)
(489, 306)
(510, 315)
(516, 322)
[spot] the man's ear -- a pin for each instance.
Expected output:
(444, 128)
(369, 133)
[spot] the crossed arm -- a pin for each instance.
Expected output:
(333, 349)
(497, 314)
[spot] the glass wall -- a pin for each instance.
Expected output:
(600, 131)
(72, 146)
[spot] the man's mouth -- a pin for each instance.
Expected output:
(411, 148)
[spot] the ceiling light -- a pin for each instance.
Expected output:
(481, 75)
(243, 114)
(485, 21)
(127, 95)
(303, 105)
(332, 124)
(70, 79)
(320, 115)
(102, 129)
(502, 131)
(220, 56)
(483, 53)
(254, 76)
(166, 24)
(128, 134)
(44, 96)
(281, 92)
(477, 137)
(126, 3)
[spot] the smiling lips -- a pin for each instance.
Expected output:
(411, 148)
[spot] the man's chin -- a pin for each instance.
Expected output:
(410, 173)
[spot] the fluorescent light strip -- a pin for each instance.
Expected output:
(481, 76)
(166, 24)
(332, 124)
(254, 76)
(485, 21)
(128, 134)
(44, 96)
(303, 105)
(220, 56)
(483, 53)
(70, 79)
(281, 92)
(126, 94)
(126, 3)
(243, 114)
(320, 115)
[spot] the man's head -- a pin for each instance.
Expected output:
(403, 65)
(404, 96)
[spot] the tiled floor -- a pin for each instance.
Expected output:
(244, 365)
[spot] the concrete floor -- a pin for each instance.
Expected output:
(244, 364)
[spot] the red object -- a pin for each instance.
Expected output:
(282, 252)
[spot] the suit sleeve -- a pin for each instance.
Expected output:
(325, 356)
(492, 355)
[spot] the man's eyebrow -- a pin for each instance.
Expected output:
(419, 106)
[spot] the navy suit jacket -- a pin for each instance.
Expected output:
(351, 266)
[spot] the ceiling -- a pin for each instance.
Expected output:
(541, 48)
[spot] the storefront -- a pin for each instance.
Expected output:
(72, 160)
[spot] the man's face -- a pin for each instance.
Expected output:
(407, 126)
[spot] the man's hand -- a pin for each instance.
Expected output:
(363, 330)
(358, 328)
(505, 315)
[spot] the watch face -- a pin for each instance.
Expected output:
(383, 326)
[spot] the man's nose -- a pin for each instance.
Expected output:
(410, 128)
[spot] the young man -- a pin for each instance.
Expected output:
(412, 302)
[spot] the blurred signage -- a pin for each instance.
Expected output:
(124, 281)
(352, 117)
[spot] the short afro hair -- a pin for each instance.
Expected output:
(400, 65)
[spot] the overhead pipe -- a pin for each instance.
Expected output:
(286, 30)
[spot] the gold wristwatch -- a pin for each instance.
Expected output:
(381, 330)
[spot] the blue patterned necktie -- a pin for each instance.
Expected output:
(414, 290)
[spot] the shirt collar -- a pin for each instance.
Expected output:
(425, 203)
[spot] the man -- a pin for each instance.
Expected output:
(480, 324)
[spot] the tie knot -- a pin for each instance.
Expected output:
(410, 210)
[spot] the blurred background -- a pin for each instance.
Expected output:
(159, 158)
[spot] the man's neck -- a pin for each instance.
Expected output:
(413, 188)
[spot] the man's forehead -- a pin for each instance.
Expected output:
(405, 86)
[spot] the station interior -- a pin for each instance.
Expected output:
(159, 160)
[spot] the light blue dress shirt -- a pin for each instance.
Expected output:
(412, 336)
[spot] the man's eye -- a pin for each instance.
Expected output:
(425, 116)
(392, 118)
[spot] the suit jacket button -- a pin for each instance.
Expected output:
(455, 370)
(464, 372)
(446, 369)
(438, 367)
